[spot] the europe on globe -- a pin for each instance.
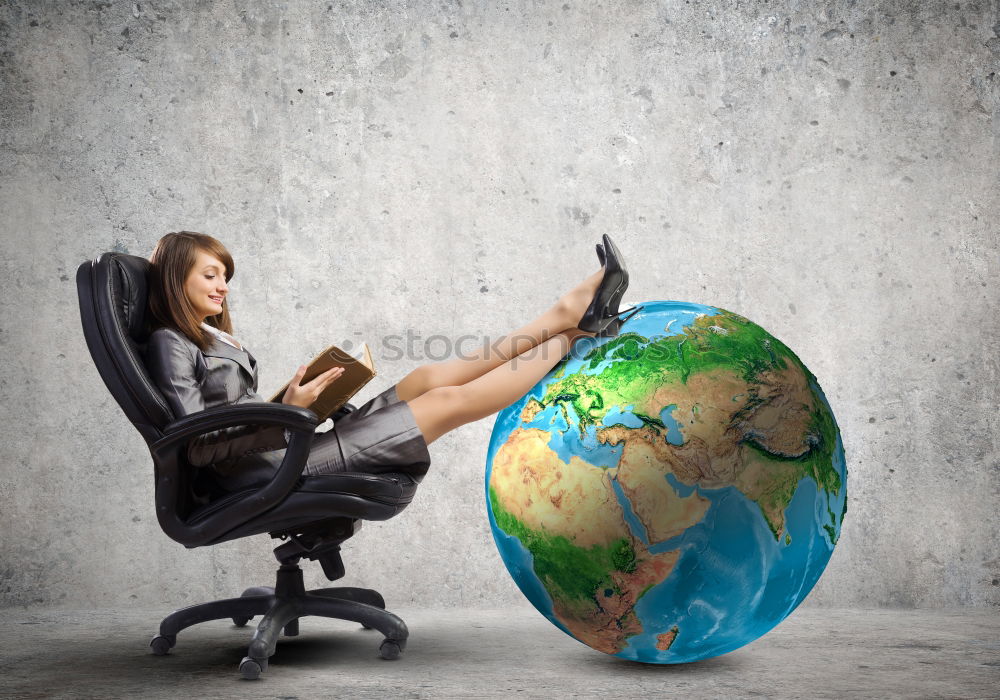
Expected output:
(672, 493)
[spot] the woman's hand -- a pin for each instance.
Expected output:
(305, 395)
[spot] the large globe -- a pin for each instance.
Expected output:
(672, 493)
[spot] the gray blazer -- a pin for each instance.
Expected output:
(192, 380)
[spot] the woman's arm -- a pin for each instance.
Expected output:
(175, 366)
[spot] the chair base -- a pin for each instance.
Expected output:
(281, 607)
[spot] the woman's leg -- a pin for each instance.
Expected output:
(445, 408)
(563, 315)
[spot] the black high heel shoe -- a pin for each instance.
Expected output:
(613, 328)
(603, 310)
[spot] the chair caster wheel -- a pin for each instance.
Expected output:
(391, 649)
(241, 621)
(161, 644)
(251, 669)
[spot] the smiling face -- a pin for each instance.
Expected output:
(206, 286)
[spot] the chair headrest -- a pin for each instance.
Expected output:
(114, 310)
(131, 279)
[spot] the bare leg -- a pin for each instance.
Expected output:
(563, 315)
(445, 408)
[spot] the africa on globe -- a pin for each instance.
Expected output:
(672, 493)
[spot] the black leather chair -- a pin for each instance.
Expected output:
(312, 515)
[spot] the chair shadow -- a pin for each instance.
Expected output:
(444, 644)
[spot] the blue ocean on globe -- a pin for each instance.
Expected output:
(670, 494)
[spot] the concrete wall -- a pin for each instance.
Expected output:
(828, 170)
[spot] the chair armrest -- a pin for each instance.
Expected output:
(268, 413)
(301, 422)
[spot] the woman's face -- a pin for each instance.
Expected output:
(206, 285)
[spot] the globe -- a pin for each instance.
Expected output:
(672, 493)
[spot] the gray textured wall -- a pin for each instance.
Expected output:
(828, 170)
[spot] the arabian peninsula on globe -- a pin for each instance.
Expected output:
(672, 493)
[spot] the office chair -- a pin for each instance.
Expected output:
(312, 515)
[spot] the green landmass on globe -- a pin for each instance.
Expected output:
(745, 414)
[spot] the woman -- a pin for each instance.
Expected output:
(197, 364)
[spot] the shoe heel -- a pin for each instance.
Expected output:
(631, 308)
(610, 325)
(634, 310)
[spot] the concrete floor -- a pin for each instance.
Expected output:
(495, 653)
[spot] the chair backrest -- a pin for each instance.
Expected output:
(113, 292)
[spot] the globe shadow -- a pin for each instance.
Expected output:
(717, 664)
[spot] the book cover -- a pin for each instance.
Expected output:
(358, 371)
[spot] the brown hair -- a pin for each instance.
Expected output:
(171, 262)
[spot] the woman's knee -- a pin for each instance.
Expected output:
(441, 409)
(414, 384)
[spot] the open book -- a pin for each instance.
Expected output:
(358, 371)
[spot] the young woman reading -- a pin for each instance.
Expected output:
(197, 364)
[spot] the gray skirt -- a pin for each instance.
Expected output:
(379, 436)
